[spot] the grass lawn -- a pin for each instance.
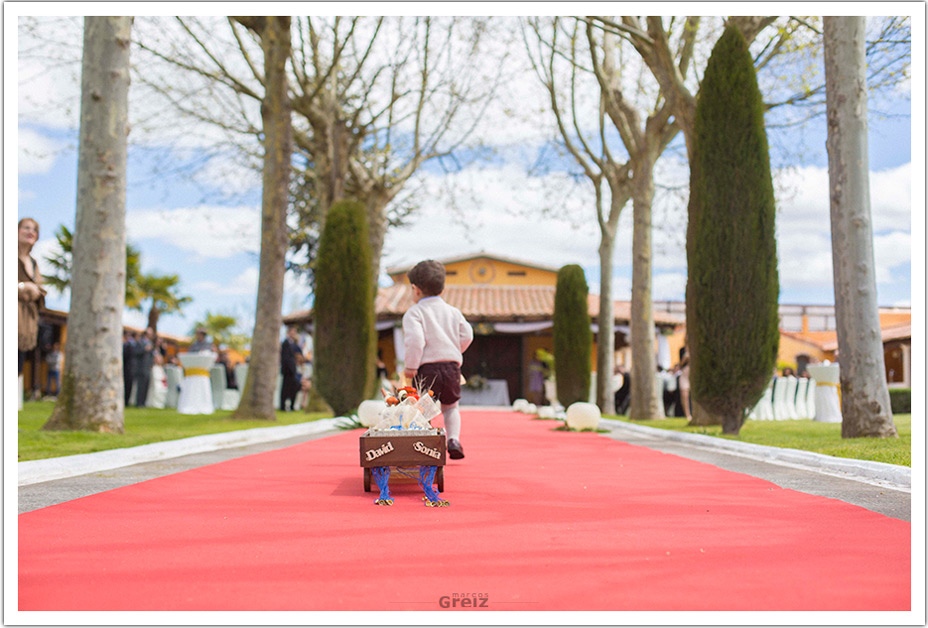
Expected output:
(823, 438)
(143, 425)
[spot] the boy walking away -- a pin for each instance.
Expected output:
(436, 337)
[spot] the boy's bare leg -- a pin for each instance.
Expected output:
(452, 416)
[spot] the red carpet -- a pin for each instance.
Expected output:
(539, 520)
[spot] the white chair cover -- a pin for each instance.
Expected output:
(241, 372)
(827, 392)
(763, 410)
(791, 383)
(217, 382)
(810, 398)
(802, 388)
(780, 412)
(230, 399)
(196, 395)
(174, 375)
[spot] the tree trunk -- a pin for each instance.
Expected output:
(377, 202)
(646, 401)
(257, 399)
(153, 315)
(700, 415)
(731, 423)
(92, 387)
(605, 339)
(865, 406)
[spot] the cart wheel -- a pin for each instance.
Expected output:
(440, 476)
(367, 480)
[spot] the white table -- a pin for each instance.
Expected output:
(196, 393)
(827, 392)
(495, 393)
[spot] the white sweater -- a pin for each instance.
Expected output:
(435, 332)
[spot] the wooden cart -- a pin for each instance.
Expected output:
(403, 451)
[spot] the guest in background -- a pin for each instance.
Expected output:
(288, 368)
(161, 348)
(145, 359)
(30, 294)
(537, 372)
(623, 394)
(683, 382)
(200, 343)
(158, 388)
(129, 340)
(224, 361)
(306, 386)
(54, 360)
(668, 387)
(381, 366)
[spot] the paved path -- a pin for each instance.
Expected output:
(880, 488)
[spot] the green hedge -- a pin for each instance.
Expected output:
(732, 282)
(573, 338)
(900, 400)
(344, 308)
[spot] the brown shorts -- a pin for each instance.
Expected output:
(443, 378)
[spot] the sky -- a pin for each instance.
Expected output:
(205, 228)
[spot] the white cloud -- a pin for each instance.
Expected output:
(668, 286)
(499, 213)
(229, 175)
(891, 251)
(804, 225)
(209, 232)
(37, 153)
(891, 199)
(48, 70)
(139, 319)
(244, 284)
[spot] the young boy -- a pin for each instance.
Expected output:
(436, 337)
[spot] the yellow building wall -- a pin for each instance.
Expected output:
(491, 272)
(790, 348)
(786, 355)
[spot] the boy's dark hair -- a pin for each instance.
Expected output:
(429, 276)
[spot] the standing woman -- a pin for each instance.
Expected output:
(683, 383)
(29, 288)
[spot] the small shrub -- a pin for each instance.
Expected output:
(900, 399)
(573, 338)
(344, 308)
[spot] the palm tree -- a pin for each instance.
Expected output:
(219, 327)
(60, 279)
(162, 291)
(139, 288)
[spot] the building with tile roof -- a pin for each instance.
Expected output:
(510, 304)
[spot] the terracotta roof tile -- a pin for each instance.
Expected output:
(492, 303)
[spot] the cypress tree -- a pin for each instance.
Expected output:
(573, 339)
(732, 285)
(344, 308)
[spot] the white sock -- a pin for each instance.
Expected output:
(452, 421)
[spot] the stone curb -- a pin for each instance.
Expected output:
(897, 475)
(35, 471)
